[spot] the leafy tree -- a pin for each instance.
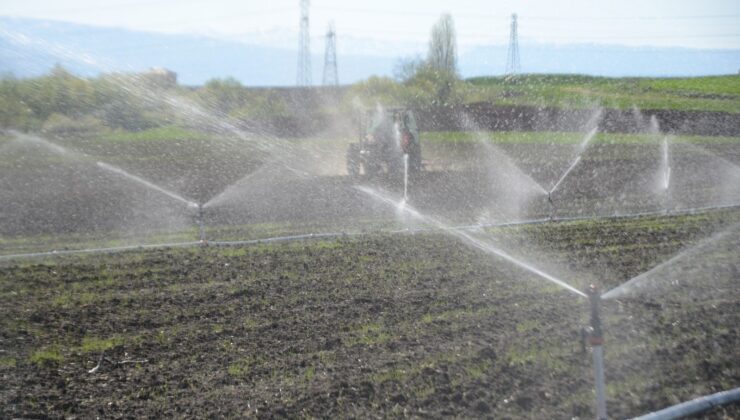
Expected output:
(406, 68)
(225, 95)
(434, 81)
(262, 106)
(442, 54)
(14, 112)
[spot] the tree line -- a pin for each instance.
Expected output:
(63, 102)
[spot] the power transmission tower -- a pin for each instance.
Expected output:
(304, 50)
(331, 75)
(512, 58)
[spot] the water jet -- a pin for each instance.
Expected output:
(405, 177)
(116, 170)
(642, 281)
(200, 220)
(468, 239)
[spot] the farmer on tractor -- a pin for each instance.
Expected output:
(409, 139)
(391, 134)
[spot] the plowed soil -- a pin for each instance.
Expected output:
(373, 326)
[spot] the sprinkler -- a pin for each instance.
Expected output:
(552, 205)
(594, 336)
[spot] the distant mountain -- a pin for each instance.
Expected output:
(30, 47)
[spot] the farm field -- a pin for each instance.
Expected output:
(710, 93)
(56, 201)
(378, 325)
(399, 310)
(194, 224)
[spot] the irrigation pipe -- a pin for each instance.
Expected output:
(328, 235)
(695, 406)
(97, 250)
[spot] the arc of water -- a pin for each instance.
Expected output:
(722, 160)
(405, 176)
(593, 122)
(666, 165)
(263, 170)
(63, 151)
(565, 175)
(469, 239)
(503, 159)
(639, 282)
(131, 83)
(108, 167)
(66, 152)
(144, 182)
(588, 137)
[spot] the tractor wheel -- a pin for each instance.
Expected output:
(415, 159)
(353, 160)
(353, 168)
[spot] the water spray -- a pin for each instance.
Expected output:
(405, 177)
(581, 149)
(666, 175)
(116, 170)
(666, 165)
(467, 238)
(562, 178)
(594, 336)
(201, 226)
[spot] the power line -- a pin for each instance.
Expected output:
(134, 48)
(489, 15)
(567, 18)
(104, 6)
(225, 17)
(726, 35)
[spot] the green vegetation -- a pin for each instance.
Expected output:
(369, 334)
(121, 106)
(244, 366)
(165, 133)
(46, 357)
(97, 345)
(535, 137)
(7, 362)
(711, 93)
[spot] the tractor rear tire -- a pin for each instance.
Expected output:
(354, 164)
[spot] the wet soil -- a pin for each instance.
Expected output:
(51, 197)
(373, 326)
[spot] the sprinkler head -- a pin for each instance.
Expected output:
(552, 205)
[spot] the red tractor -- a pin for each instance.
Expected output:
(386, 135)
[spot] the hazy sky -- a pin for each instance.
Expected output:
(685, 23)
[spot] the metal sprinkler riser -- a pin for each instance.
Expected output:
(595, 339)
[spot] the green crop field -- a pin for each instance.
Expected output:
(710, 93)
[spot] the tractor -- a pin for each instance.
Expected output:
(385, 136)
